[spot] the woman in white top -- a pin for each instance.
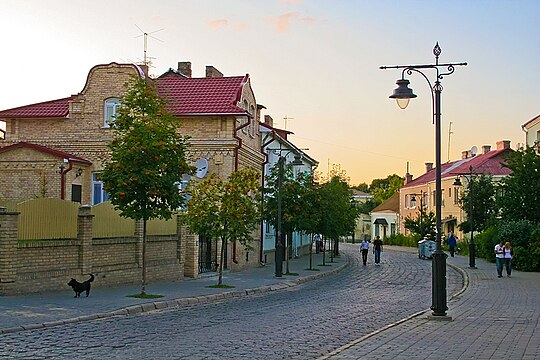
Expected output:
(508, 258)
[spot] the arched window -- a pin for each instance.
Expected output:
(111, 106)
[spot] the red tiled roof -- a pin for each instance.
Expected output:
(201, 96)
(41, 148)
(490, 163)
(184, 96)
(48, 109)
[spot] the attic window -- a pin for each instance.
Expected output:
(111, 107)
(2, 130)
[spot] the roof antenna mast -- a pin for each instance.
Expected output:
(146, 60)
(449, 134)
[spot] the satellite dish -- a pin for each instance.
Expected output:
(201, 166)
(474, 150)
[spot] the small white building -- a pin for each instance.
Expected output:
(385, 218)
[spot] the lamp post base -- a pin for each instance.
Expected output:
(472, 256)
(439, 283)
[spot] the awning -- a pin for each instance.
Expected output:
(448, 219)
(380, 221)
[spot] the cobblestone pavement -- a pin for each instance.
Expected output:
(492, 319)
(301, 322)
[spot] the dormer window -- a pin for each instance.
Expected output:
(111, 106)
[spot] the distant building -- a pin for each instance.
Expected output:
(385, 218)
(421, 191)
(363, 222)
(532, 131)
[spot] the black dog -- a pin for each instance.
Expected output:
(80, 287)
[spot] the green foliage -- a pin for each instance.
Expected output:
(520, 191)
(485, 243)
(403, 240)
(148, 156)
(383, 189)
(480, 194)
(227, 210)
(422, 224)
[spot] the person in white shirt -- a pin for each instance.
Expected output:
(499, 257)
(508, 258)
(364, 248)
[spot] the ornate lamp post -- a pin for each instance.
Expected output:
(402, 95)
(472, 247)
(280, 252)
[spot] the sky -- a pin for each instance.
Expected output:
(314, 62)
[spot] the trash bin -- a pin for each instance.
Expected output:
(426, 248)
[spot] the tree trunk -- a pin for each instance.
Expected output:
(221, 260)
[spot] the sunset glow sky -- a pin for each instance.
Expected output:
(315, 61)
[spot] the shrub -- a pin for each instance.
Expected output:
(485, 243)
(402, 240)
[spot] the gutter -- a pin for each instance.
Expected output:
(236, 152)
(63, 173)
(264, 145)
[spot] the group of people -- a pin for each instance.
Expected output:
(503, 258)
(377, 249)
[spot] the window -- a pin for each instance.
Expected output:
(392, 229)
(111, 106)
(406, 201)
(456, 196)
(98, 193)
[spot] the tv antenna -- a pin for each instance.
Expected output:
(145, 35)
(285, 119)
(449, 134)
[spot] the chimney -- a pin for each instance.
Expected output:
(429, 167)
(464, 154)
(408, 178)
(486, 149)
(503, 144)
(212, 72)
(184, 68)
(144, 69)
(268, 120)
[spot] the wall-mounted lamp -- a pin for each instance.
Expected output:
(78, 172)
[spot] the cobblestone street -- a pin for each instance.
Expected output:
(302, 322)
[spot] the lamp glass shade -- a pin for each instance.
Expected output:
(402, 103)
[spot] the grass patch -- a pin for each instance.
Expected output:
(222, 286)
(145, 296)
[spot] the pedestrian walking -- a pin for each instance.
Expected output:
(451, 241)
(364, 248)
(508, 255)
(499, 257)
(377, 249)
(317, 239)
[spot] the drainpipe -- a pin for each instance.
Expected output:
(63, 173)
(236, 151)
(272, 138)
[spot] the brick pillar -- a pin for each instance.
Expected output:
(191, 246)
(8, 246)
(181, 244)
(85, 231)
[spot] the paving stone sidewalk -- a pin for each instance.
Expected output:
(493, 318)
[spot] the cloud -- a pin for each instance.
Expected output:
(240, 26)
(217, 24)
(292, 2)
(283, 22)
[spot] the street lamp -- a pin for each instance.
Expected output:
(280, 252)
(413, 204)
(472, 248)
(402, 95)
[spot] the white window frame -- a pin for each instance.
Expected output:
(110, 108)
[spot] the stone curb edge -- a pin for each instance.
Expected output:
(454, 297)
(172, 303)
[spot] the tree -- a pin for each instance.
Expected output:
(148, 158)
(225, 210)
(422, 224)
(338, 210)
(520, 191)
(482, 199)
(383, 189)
